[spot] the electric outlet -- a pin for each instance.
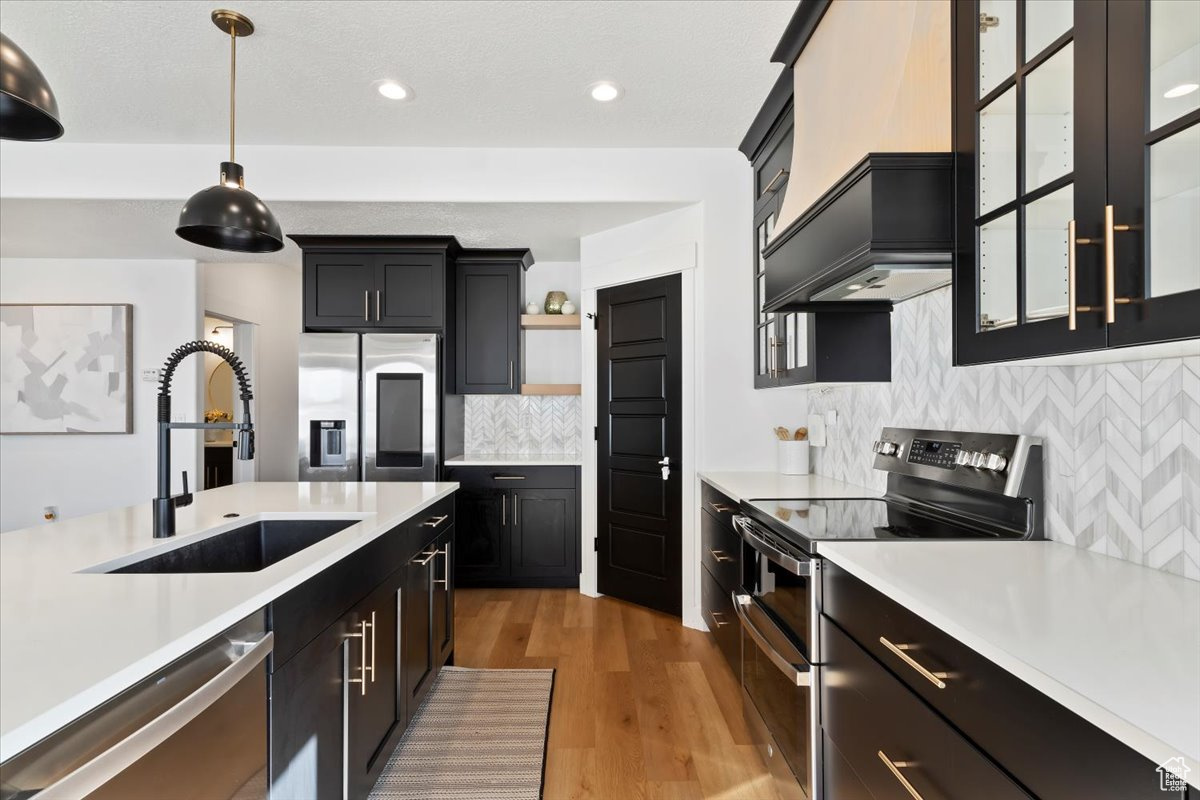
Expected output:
(831, 417)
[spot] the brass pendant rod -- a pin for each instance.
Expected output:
(232, 87)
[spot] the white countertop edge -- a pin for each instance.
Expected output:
(764, 484)
(514, 460)
(34, 730)
(1118, 727)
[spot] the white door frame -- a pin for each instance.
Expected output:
(678, 259)
(245, 346)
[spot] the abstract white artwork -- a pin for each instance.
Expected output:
(65, 369)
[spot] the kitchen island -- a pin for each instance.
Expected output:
(72, 636)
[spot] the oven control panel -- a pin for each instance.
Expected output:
(934, 453)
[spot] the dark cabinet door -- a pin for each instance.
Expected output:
(410, 290)
(416, 607)
(482, 536)
(307, 709)
(339, 291)
(372, 668)
(488, 335)
(543, 539)
(443, 598)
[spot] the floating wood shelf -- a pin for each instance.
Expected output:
(551, 388)
(550, 322)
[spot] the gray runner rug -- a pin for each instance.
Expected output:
(480, 735)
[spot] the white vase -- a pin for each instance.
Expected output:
(793, 457)
(568, 308)
(533, 308)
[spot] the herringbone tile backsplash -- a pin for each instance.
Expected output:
(1122, 440)
(523, 425)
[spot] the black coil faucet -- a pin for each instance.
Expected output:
(164, 503)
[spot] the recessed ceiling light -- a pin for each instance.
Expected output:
(1180, 90)
(605, 91)
(394, 90)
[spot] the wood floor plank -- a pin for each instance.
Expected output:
(642, 707)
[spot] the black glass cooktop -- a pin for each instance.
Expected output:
(870, 519)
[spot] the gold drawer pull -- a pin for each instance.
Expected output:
(717, 622)
(719, 556)
(721, 508)
(936, 678)
(771, 186)
(362, 637)
(429, 556)
(894, 767)
(433, 522)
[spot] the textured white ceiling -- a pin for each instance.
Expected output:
(485, 74)
(146, 228)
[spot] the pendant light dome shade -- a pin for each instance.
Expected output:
(28, 110)
(228, 217)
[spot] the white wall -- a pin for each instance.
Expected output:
(267, 295)
(82, 474)
(552, 356)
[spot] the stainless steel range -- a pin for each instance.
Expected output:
(940, 485)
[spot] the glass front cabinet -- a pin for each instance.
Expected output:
(1077, 134)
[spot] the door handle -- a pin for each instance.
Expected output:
(721, 508)
(366, 305)
(771, 186)
(665, 463)
(444, 581)
(362, 662)
(1111, 301)
(374, 633)
(936, 678)
(719, 555)
(433, 522)
(510, 374)
(894, 767)
(377, 294)
(429, 556)
(720, 623)
(503, 509)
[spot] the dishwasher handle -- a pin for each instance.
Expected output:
(104, 767)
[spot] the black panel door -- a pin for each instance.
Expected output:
(417, 653)
(640, 492)
(481, 519)
(372, 686)
(411, 290)
(443, 598)
(543, 533)
(488, 341)
(339, 291)
(307, 720)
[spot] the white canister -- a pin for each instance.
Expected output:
(793, 457)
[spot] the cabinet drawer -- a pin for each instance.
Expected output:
(718, 504)
(720, 551)
(722, 620)
(869, 716)
(1006, 717)
(500, 477)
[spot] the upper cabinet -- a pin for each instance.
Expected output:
(393, 282)
(1077, 176)
(489, 287)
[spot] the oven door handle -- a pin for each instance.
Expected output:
(788, 562)
(110, 763)
(798, 674)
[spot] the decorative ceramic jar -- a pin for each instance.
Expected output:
(532, 308)
(554, 301)
(568, 308)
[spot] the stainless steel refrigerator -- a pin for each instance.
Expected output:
(368, 406)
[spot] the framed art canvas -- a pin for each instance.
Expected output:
(66, 368)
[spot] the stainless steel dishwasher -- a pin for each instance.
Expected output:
(195, 729)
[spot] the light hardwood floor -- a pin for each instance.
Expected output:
(642, 708)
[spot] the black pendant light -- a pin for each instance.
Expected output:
(226, 216)
(28, 110)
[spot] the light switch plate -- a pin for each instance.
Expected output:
(816, 430)
(150, 376)
(831, 418)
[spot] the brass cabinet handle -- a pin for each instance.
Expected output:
(936, 678)
(362, 636)
(717, 622)
(771, 359)
(503, 509)
(894, 767)
(719, 556)
(510, 374)
(429, 556)
(721, 508)
(378, 292)
(444, 581)
(770, 187)
(1071, 291)
(374, 631)
(1111, 301)
(433, 522)
(366, 305)
(508, 477)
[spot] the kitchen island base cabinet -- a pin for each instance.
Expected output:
(340, 703)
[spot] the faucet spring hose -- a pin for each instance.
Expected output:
(200, 346)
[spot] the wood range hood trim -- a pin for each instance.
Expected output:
(891, 210)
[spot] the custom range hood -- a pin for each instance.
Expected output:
(882, 234)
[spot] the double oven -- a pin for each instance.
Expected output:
(777, 606)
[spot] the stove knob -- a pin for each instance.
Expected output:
(885, 448)
(963, 458)
(995, 462)
(978, 460)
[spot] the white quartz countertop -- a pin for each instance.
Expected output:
(514, 460)
(71, 640)
(773, 485)
(1115, 642)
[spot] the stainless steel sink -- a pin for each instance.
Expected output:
(249, 548)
